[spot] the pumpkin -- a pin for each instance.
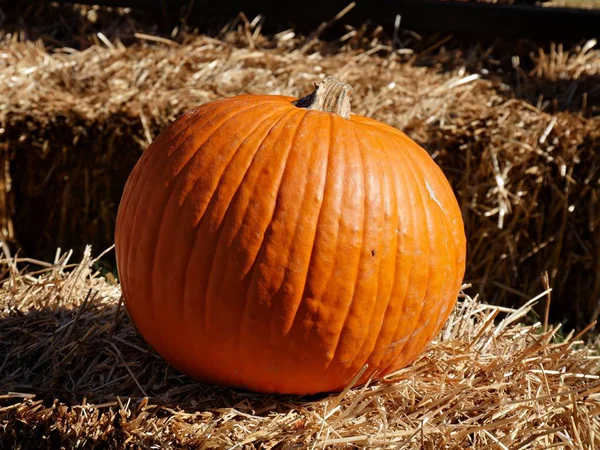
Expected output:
(282, 245)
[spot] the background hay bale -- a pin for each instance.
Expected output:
(515, 127)
(75, 374)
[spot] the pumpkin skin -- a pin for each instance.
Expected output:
(275, 248)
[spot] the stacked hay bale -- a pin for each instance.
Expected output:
(516, 136)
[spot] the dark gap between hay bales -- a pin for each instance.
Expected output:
(514, 125)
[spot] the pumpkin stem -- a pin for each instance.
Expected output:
(330, 95)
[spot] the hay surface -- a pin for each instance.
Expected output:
(74, 374)
(515, 127)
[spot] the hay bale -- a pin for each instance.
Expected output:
(514, 127)
(519, 147)
(74, 373)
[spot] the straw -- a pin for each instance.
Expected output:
(75, 373)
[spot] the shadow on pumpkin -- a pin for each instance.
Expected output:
(92, 355)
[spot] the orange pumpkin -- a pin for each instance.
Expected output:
(279, 245)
